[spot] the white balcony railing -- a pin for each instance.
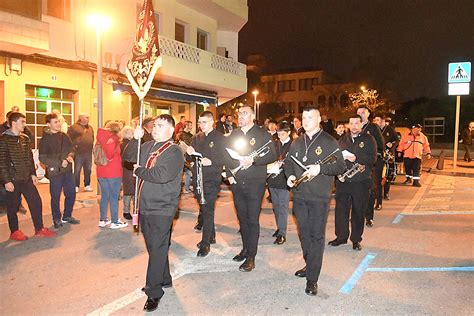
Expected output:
(172, 48)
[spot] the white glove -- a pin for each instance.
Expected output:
(232, 180)
(290, 181)
(138, 133)
(312, 172)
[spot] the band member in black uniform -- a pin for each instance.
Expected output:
(311, 198)
(211, 145)
(248, 183)
(277, 182)
(159, 174)
(376, 190)
(390, 138)
(352, 190)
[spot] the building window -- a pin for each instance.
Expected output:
(332, 100)
(60, 9)
(40, 101)
(322, 100)
(314, 81)
(306, 84)
(303, 104)
(180, 31)
(267, 86)
(344, 100)
(286, 85)
(202, 38)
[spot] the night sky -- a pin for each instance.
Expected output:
(399, 47)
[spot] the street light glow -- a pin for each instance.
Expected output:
(255, 92)
(99, 21)
(362, 88)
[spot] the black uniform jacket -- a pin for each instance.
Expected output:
(319, 188)
(212, 147)
(365, 150)
(162, 183)
(245, 144)
(374, 130)
(279, 182)
(390, 136)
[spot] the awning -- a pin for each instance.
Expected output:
(172, 95)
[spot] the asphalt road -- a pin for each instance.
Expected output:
(418, 258)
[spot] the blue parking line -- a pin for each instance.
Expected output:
(397, 219)
(430, 269)
(351, 283)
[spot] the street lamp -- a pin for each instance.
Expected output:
(258, 109)
(255, 93)
(101, 23)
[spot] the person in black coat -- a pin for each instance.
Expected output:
(128, 180)
(210, 144)
(352, 194)
(376, 190)
(277, 183)
(248, 183)
(391, 143)
(311, 197)
(221, 124)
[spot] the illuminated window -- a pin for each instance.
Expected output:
(202, 38)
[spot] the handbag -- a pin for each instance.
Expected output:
(98, 153)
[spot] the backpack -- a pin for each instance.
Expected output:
(99, 155)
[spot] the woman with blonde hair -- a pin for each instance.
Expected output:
(110, 174)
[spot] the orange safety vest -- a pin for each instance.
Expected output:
(414, 146)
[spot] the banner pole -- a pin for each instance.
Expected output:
(135, 206)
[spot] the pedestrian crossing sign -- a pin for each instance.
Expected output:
(459, 72)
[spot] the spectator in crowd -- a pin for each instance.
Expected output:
(467, 135)
(82, 137)
(272, 129)
(186, 137)
(297, 127)
(147, 126)
(180, 126)
(221, 125)
(62, 121)
(230, 123)
(17, 173)
(56, 153)
(110, 175)
(128, 180)
(326, 125)
(340, 130)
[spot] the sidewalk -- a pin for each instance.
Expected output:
(463, 168)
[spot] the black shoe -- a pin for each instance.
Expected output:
(248, 265)
(71, 220)
(280, 240)
(241, 256)
(212, 242)
(203, 251)
(336, 242)
(151, 304)
(198, 227)
(407, 181)
(21, 209)
(378, 207)
(301, 273)
(276, 233)
(386, 197)
(311, 288)
(127, 216)
(57, 224)
(356, 246)
(417, 183)
(369, 223)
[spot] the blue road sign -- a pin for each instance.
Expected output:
(459, 72)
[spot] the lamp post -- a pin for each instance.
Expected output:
(255, 93)
(258, 110)
(101, 23)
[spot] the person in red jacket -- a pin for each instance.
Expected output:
(110, 175)
(413, 146)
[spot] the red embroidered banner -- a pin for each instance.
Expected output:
(145, 60)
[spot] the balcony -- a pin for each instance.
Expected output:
(23, 35)
(192, 67)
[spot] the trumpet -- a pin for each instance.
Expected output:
(260, 152)
(331, 158)
(355, 169)
(199, 179)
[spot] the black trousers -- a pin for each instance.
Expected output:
(467, 152)
(412, 168)
(312, 217)
(376, 189)
(351, 201)
(29, 191)
(156, 230)
(248, 198)
(211, 190)
(386, 188)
